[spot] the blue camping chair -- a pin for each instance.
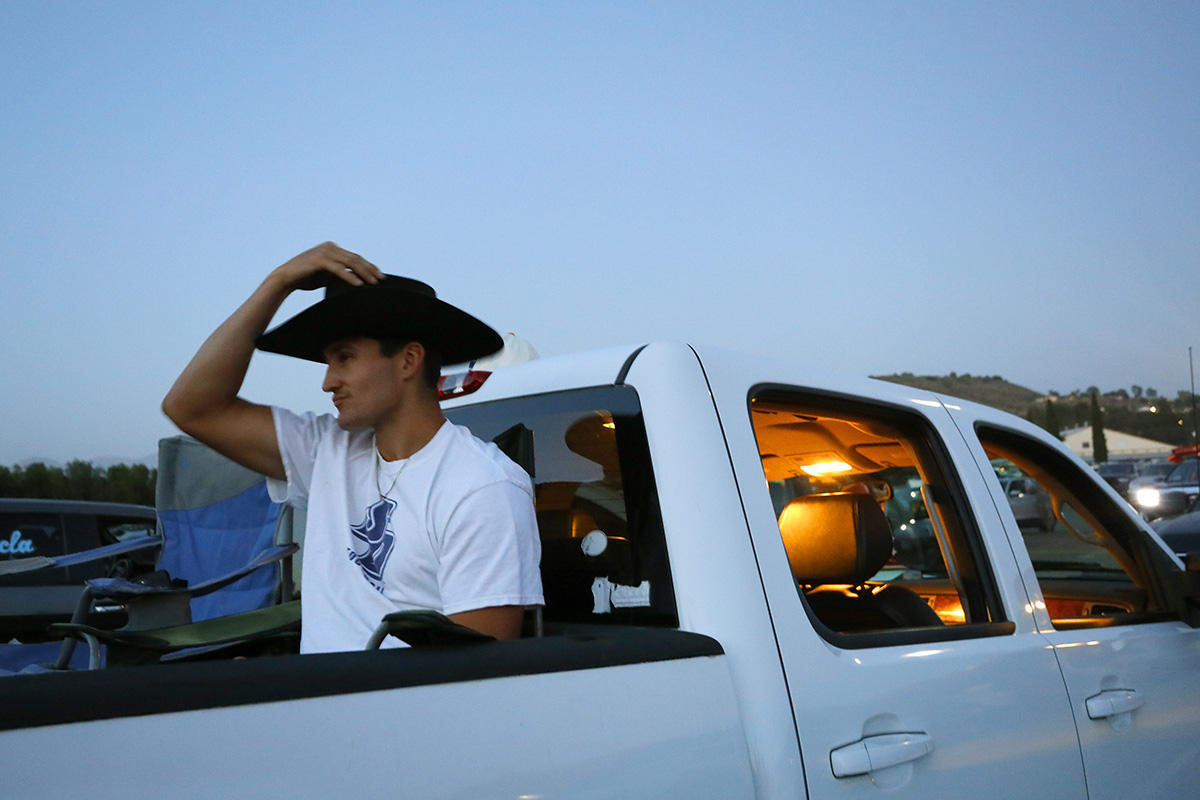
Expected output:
(229, 543)
(215, 517)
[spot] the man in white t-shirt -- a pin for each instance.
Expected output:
(405, 510)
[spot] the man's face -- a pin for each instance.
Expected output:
(364, 383)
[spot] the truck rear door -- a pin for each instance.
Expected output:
(1099, 587)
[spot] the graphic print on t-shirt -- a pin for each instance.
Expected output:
(372, 541)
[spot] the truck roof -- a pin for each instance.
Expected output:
(552, 374)
(26, 505)
(608, 366)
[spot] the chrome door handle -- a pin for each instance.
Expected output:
(879, 752)
(1112, 702)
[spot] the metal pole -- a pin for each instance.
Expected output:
(1192, 370)
(1196, 450)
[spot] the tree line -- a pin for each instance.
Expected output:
(1166, 420)
(81, 480)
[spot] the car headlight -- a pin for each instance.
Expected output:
(1147, 498)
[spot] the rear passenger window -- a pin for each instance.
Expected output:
(118, 529)
(1088, 554)
(871, 522)
(604, 558)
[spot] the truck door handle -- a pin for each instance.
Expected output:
(879, 752)
(1112, 702)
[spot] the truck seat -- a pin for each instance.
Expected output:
(835, 543)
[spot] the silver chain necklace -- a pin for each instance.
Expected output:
(379, 469)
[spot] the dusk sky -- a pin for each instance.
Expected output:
(997, 189)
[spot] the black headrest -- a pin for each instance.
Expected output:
(835, 538)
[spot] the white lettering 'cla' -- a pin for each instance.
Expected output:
(15, 544)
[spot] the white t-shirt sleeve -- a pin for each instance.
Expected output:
(298, 436)
(490, 551)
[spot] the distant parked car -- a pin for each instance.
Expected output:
(1118, 474)
(1173, 494)
(1149, 473)
(1030, 505)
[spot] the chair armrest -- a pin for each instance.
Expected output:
(258, 623)
(117, 588)
(424, 628)
(18, 565)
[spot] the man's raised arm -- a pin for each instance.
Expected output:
(204, 401)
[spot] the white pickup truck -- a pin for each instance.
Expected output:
(761, 582)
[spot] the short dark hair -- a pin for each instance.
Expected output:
(432, 370)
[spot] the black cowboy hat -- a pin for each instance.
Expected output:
(395, 308)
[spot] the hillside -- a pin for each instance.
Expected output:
(1152, 417)
(992, 390)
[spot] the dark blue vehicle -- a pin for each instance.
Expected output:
(32, 528)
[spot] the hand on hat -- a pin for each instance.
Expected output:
(312, 268)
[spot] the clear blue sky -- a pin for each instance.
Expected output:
(992, 188)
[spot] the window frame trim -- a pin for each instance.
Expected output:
(998, 622)
(626, 394)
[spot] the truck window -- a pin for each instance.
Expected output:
(604, 558)
(871, 523)
(1084, 548)
(1184, 473)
